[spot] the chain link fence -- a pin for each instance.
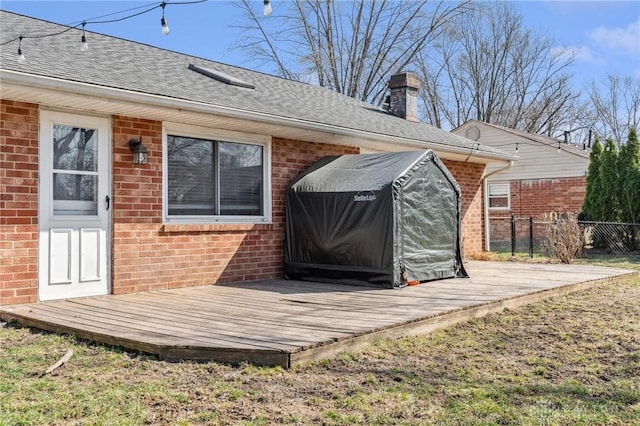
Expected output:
(526, 235)
(618, 238)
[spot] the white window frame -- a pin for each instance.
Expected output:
(223, 136)
(506, 185)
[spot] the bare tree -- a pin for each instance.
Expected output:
(617, 106)
(488, 66)
(351, 47)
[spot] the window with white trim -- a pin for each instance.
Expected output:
(498, 196)
(216, 177)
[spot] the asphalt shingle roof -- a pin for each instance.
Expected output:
(116, 63)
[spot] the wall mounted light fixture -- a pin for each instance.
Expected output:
(140, 153)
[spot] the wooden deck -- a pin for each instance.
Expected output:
(279, 322)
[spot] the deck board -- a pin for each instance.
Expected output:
(184, 332)
(280, 322)
(231, 329)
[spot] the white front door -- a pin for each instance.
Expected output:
(74, 206)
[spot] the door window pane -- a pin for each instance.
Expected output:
(75, 171)
(74, 148)
(74, 187)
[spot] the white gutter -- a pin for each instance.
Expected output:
(108, 93)
(485, 185)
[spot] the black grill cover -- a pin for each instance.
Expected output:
(374, 219)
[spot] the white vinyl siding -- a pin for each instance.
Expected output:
(535, 160)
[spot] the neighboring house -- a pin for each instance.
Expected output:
(214, 146)
(549, 176)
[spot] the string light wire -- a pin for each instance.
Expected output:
(99, 20)
(96, 18)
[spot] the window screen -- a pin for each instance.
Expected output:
(214, 178)
(499, 196)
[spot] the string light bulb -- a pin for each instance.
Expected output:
(516, 147)
(163, 21)
(267, 8)
(21, 57)
(84, 46)
(559, 147)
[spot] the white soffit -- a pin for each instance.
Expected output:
(61, 94)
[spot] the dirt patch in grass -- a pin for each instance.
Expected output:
(569, 360)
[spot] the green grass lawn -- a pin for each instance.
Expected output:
(631, 261)
(569, 360)
(619, 261)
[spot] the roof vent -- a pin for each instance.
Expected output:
(473, 133)
(221, 76)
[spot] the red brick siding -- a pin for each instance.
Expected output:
(137, 189)
(18, 202)
(535, 197)
(469, 177)
(150, 256)
(147, 255)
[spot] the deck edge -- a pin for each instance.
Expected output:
(432, 323)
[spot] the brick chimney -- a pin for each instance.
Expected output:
(403, 101)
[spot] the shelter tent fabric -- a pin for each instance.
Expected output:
(374, 219)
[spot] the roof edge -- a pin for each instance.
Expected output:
(533, 137)
(78, 88)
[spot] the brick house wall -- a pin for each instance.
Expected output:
(469, 178)
(147, 254)
(18, 202)
(537, 197)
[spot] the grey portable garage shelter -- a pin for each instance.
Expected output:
(387, 219)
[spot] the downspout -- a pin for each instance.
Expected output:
(486, 202)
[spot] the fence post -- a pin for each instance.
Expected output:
(513, 235)
(531, 237)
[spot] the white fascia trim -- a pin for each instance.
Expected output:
(72, 87)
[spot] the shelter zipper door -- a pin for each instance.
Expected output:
(74, 206)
